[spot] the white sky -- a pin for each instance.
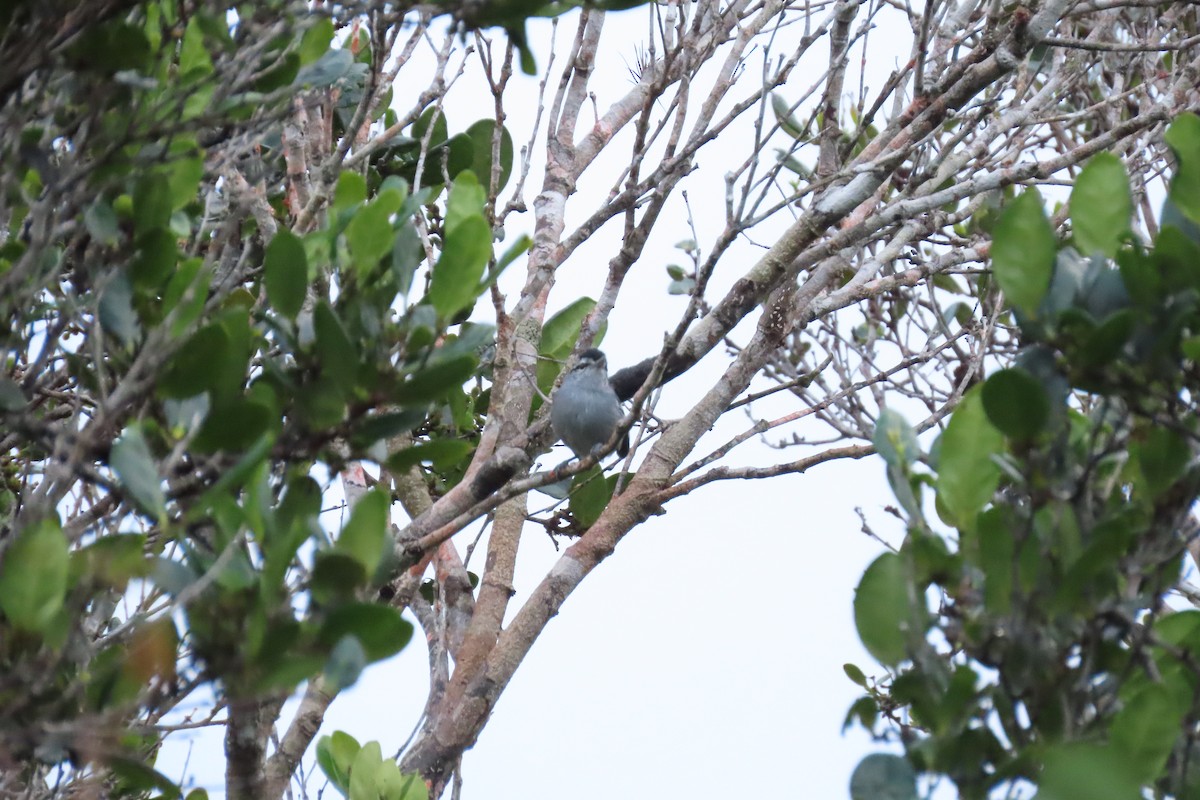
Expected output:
(704, 658)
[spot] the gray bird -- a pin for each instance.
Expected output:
(585, 409)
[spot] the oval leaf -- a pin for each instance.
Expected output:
(197, 365)
(1101, 207)
(33, 576)
(339, 358)
(380, 629)
(560, 331)
(967, 475)
(590, 493)
(135, 466)
(1023, 250)
(1016, 403)
(895, 439)
(457, 274)
(366, 532)
(1184, 139)
(882, 776)
(482, 134)
(285, 268)
(365, 771)
(881, 609)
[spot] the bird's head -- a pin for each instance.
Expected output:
(591, 359)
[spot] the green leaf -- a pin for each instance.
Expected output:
(1016, 403)
(1183, 137)
(590, 493)
(113, 46)
(453, 159)
(114, 560)
(967, 475)
(1176, 258)
(466, 201)
(865, 710)
(285, 271)
(1106, 342)
(339, 358)
(380, 630)
(33, 575)
(1181, 628)
(905, 485)
(196, 366)
(1146, 727)
(1141, 276)
(11, 396)
(783, 115)
(363, 771)
(116, 310)
(434, 381)
(1101, 206)
(561, 331)
(323, 404)
(442, 453)
(528, 63)
(101, 222)
(437, 117)
(236, 424)
(151, 204)
(339, 779)
(326, 70)
(882, 776)
(456, 276)
(366, 532)
(294, 522)
(135, 466)
(173, 577)
(184, 177)
(194, 60)
(1190, 347)
(1095, 771)
(482, 134)
(185, 294)
(1163, 457)
(855, 674)
(1023, 250)
(155, 260)
(134, 778)
(335, 756)
(993, 554)
(685, 286)
(350, 191)
(394, 785)
(372, 428)
(336, 576)
(407, 254)
(370, 234)
(895, 440)
(1171, 215)
(316, 40)
(881, 612)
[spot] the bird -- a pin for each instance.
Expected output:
(584, 409)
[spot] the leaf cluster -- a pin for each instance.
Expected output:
(1066, 481)
(186, 359)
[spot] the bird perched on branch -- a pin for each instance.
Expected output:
(585, 410)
